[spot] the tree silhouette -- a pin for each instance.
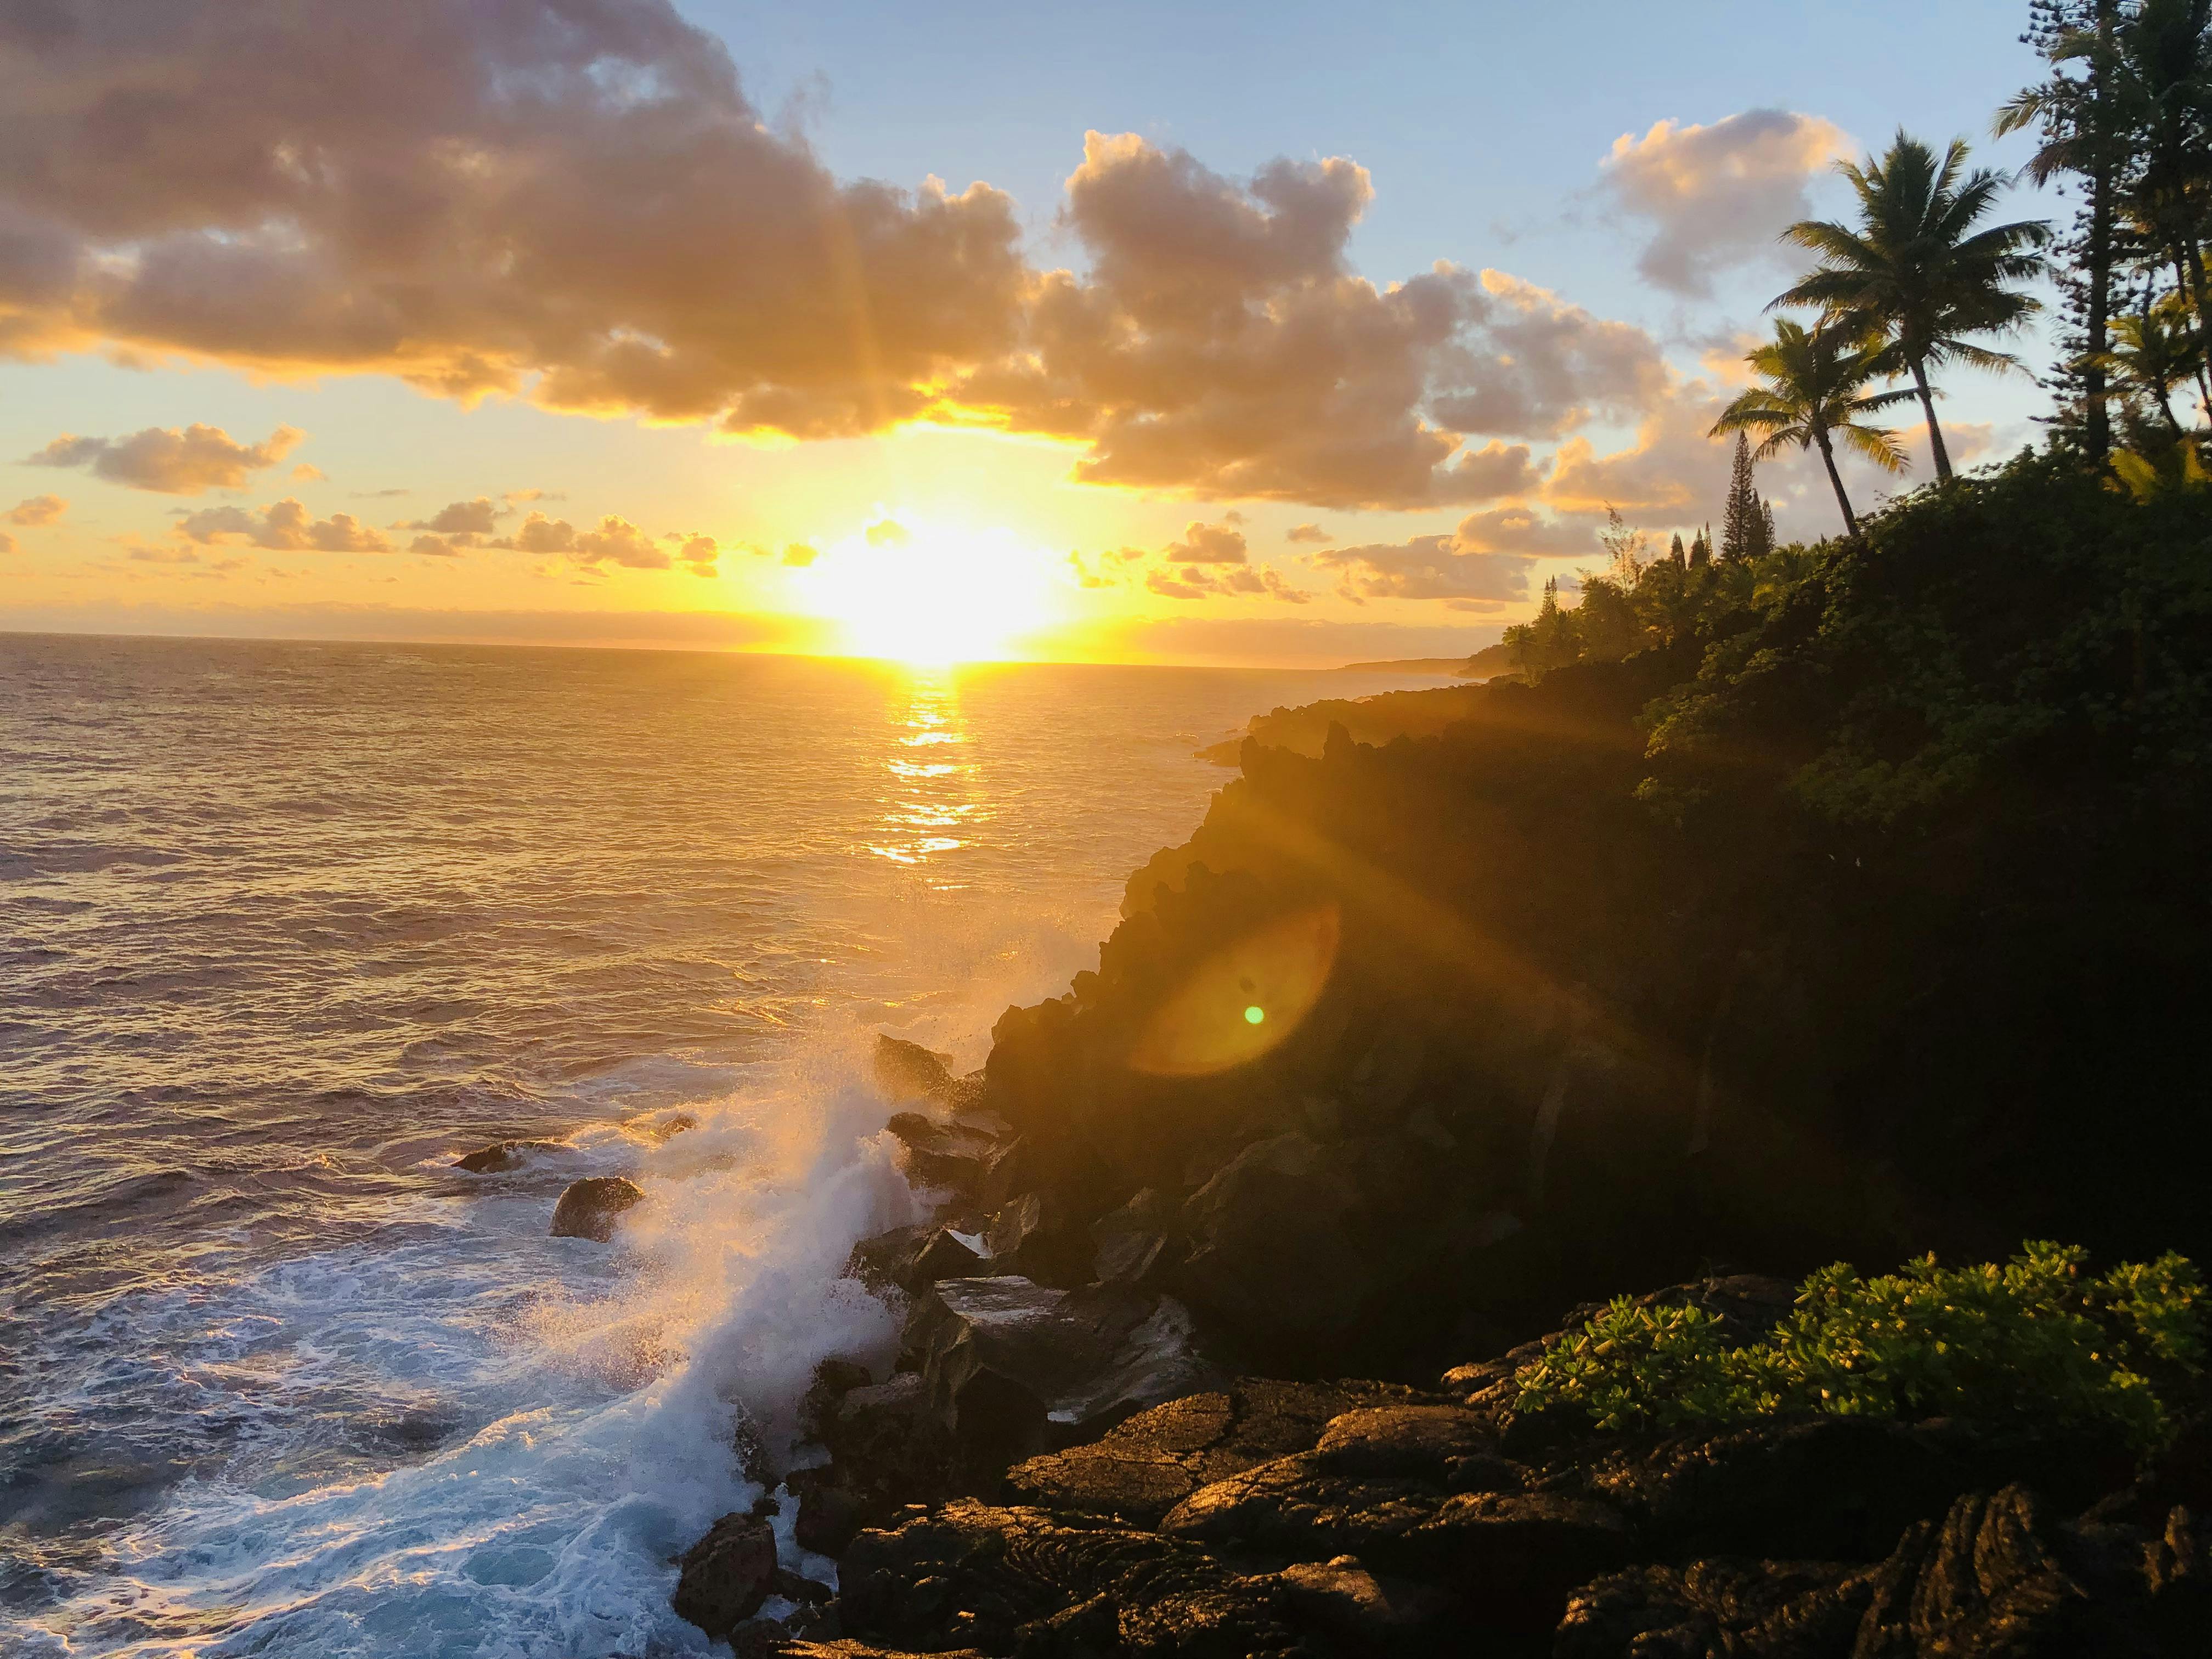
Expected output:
(1815, 393)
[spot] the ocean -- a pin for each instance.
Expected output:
(285, 927)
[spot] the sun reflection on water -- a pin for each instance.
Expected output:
(934, 804)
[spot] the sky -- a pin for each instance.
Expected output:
(1290, 335)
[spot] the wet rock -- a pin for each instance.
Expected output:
(888, 1447)
(797, 1587)
(1016, 1579)
(668, 1128)
(906, 1071)
(1013, 1367)
(1144, 1467)
(1270, 1252)
(1745, 1609)
(588, 1207)
(833, 1379)
(727, 1575)
(505, 1155)
(1136, 1244)
(831, 1515)
(1029, 1236)
(948, 1155)
(1365, 1613)
(910, 1257)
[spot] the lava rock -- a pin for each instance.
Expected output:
(1271, 1254)
(727, 1575)
(504, 1155)
(1013, 1367)
(910, 1257)
(1136, 1244)
(954, 1155)
(588, 1207)
(1750, 1609)
(1144, 1467)
(1367, 1614)
(1017, 1579)
(906, 1071)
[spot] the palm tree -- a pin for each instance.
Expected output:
(1816, 393)
(1915, 273)
(2164, 64)
(2154, 352)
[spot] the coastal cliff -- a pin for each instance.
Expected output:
(1500, 1068)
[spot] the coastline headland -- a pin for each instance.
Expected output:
(1413, 1236)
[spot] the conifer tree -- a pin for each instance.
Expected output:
(1701, 548)
(1677, 555)
(1743, 516)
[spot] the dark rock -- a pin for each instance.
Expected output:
(796, 1587)
(1270, 1252)
(947, 1155)
(1029, 1236)
(1016, 1579)
(833, 1380)
(888, 1447)
(1744, 1609)
(588, 1207)
(1367, 1614)
(668, 1128)
(1147, 1465)
(907, 1258)
(727, 1574)
(1815, 1488)
(1013, 1367)
(906, 1071)
(831, 1516)
(758, 1639)
(847, 1649)
(1438, 1441)
(505, 1155)
(1137, 1244)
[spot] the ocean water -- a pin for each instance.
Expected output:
(285, 927)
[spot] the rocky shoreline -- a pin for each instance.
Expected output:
(1072, 1458)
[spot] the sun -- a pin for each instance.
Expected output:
(930, 593)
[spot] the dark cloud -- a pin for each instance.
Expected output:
(1718, 195)
(1308, 533)
(285, 525)
(170, 461)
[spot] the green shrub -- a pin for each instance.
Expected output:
(2034, 1343)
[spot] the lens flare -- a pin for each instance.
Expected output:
(1242, 1000)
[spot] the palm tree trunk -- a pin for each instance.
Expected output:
(1835, 479)
(1935, 431)
(2192, 287)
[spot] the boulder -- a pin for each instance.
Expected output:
(888, 1447)
(1745, 1609)
(951, 1155)
(1146, 1466)
(1013, 1367)
(1365, 1613)
(906, 1071)
(588, 1207)
(727, 1575)
(503, 1156)
(1270, 1252)
(910, 1257)
(833, 1379)
(1137, 1244)
(1016, 1579)
(831, 1515)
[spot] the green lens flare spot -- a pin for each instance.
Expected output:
(1254, 1014)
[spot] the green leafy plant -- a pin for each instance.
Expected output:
(2034, 1342)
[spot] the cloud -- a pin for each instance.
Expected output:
(471, 518)
(697, 553)
(1671, 468)
(1312, 641)
(569, 200)
(308, 472)
(574, 203)
(1233, 582)
(798, 555)
(887, 532)
(1481, 566)
(9, 543)
(1206, 543)
(1717, 196)
(285, 525)
(38, 510)
(1307, 532)
(169, 461)
(617, 541)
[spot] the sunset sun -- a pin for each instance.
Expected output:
(930, 592)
